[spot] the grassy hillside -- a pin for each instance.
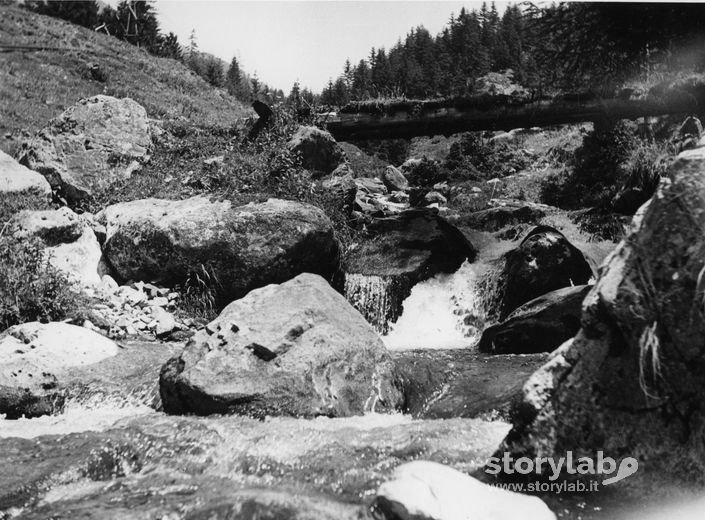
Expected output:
(37, 85)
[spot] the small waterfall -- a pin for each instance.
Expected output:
(378, 298)
(446, 311)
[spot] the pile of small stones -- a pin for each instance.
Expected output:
(137, 309)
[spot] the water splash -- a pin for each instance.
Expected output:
(445, 311)
(378, 298)
(77, 416)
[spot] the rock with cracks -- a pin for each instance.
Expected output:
(296, 349)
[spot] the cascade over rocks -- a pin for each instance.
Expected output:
(92, 144)
(320, 153)
(406, 249)
(544, 261)
(294, 349)
(70, 244)
(632, 382)
(16, 178)
(239, 248)
(541, 325)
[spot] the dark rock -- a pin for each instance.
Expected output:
(632, 381)
(297, 349)
(343, 189)
(541, 325)
(235, 249)
(318, 149)
(543, 262)
(406, 249)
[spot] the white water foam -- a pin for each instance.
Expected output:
(95, 415)
(441, 313)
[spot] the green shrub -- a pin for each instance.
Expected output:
(426, 172)
(610, 160)
(477, 158)
(31, 288)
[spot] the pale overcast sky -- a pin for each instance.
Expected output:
(285, 41)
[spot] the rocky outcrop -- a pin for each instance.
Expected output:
(35, 358)
(543, 262)
(631, 382)
(15, 178)
(92, 144)
(431, 491)
(319, 152)
(70, 244)
(292, 349)
(233, 250)
(406, 249)
(541, 325)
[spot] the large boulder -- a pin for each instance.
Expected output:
(35, 360)
(294, 349)
(424, 490)
(92, 144)
(544, 261)
(16, 178)
(318, 149)
(406, 249)
(70, 244)
(541, 325)
(632, 382)
(239, 248)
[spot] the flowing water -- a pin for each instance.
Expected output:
(111, 457)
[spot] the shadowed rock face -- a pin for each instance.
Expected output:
(540, 325)
(406, 249)
(544, 261)
(632, 381)
(92, 144)
(318, 150)
(239, 248)
(292, 349)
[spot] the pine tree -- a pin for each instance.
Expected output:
(233, 79)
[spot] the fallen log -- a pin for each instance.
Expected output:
(408, 119)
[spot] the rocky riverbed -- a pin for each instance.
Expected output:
(376, 381)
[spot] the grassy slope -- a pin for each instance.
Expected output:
(36, 86)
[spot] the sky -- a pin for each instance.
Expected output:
(287, 41)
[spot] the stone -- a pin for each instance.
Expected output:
(70, 245)
(165, 322)
(342, 188)
(16, 178)
(404, 249)
(371, 186)
(245, 247)
(544, 261)
(317, 148)
(631, 383)
(92, 144)
(394, 179)
(35, 358)
(433, 197)
(511, 213)
(541, 325)
(297, 349)
(432, 491)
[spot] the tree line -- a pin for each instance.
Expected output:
(559, 47)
